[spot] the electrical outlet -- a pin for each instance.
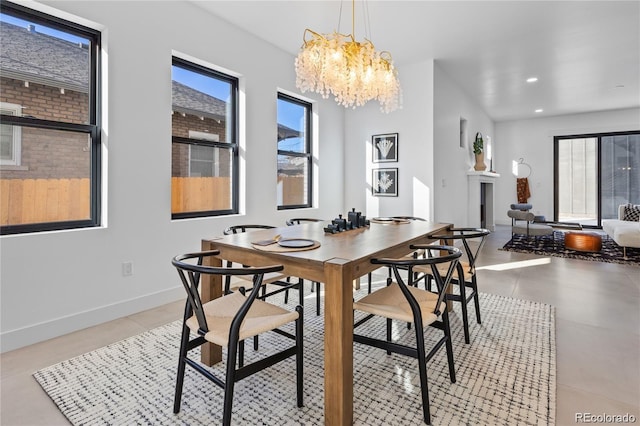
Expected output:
(127, 269)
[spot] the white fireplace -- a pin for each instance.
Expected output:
(480, 199)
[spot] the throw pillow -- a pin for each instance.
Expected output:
(632, 212)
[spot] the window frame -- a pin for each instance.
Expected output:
(556, 170)
(232, 145)
(308, 154)
(16, 137)
(92, 129)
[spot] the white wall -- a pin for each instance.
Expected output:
(57, 282)
(414, 125)
(532, 140)
(452, 160)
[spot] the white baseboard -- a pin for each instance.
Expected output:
(18, 338)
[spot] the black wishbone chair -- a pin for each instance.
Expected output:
(403, 302)
(228, 321)
(301, 220)
(277, 279)
(414, 254)
(314, 285)
(468, 285)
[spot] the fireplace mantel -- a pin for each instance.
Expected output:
(480, 198)
(483, 173)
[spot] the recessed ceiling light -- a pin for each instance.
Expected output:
(619, 86)
(532, 79)
(539, 110)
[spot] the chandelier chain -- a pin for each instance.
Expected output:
(367, 20)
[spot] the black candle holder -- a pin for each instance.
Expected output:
(354, 220)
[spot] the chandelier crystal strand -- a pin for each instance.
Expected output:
(353, 72)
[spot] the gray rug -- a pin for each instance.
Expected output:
(506, 376)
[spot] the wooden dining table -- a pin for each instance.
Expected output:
(340, 259)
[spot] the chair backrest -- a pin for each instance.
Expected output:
(237, 229)
(299, 220)
(521, 215)
(435, 257)
(190, 268)
(521, 206)
(408, 218)
(466, 235)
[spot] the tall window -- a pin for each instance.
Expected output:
(50, 129)
(594, 175)
(294, 153)
(204, 164)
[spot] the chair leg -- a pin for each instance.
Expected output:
(301, 291)
(184, 341)
(369, 278)
(476, 299)
(465, 319)
(448, 345)
(227, 284)
(299, 356)
(230, 381)
(317, 285)
(422, 366)
(241, 354)
(388, 333)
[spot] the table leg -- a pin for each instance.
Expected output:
(338, 343)
(449, 302)
(210, 288)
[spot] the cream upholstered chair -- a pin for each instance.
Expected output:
(522, 222)
(402, 302)
(228, 321)
(468, 285)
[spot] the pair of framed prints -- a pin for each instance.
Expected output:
(384, 182)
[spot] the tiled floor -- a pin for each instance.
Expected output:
(597, 334)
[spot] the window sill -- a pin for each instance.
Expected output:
(8, 168)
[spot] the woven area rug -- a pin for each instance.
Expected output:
(505, 376)
(546, 246)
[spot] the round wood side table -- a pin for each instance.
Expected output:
(583, 241)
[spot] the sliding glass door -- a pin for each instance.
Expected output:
(620, 168)
(594, 174)
(576, 181)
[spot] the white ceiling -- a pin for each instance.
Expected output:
(586, 54)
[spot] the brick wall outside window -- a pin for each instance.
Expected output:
(49, 154)
(180, 152)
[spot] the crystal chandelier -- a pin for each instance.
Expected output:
(354, 72)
